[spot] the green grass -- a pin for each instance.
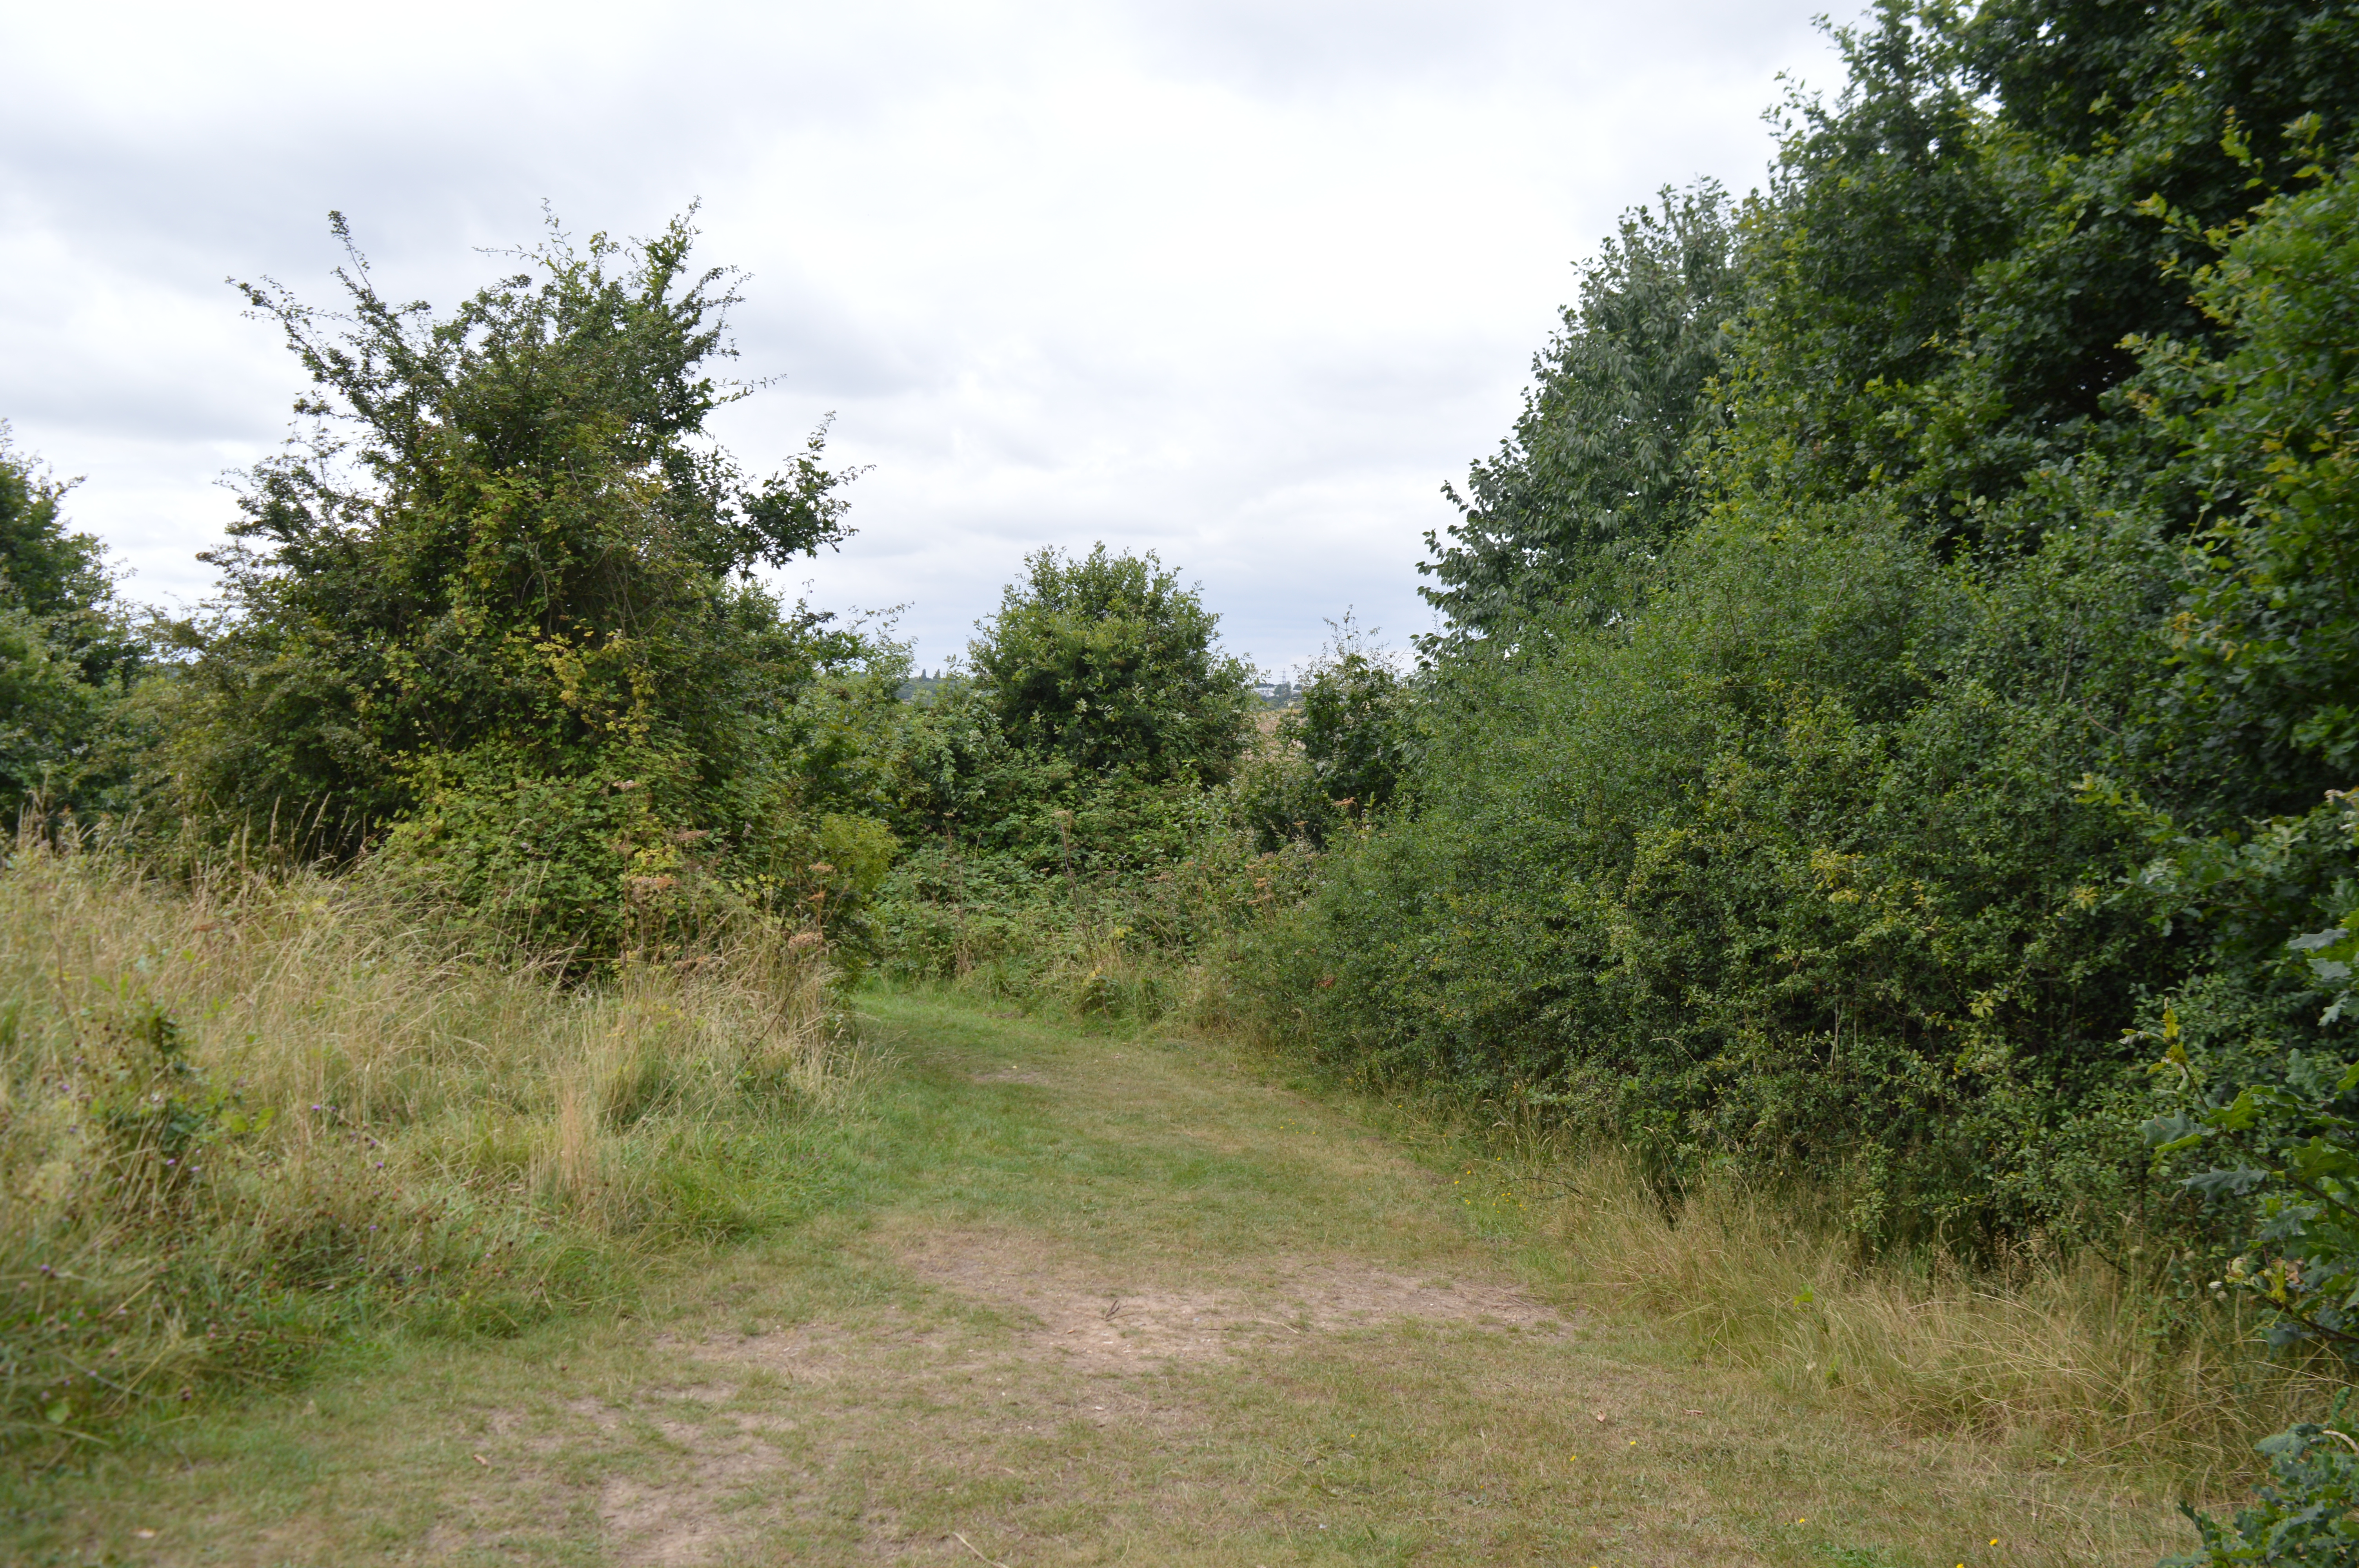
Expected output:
(243, 1118)
(1083, 1299)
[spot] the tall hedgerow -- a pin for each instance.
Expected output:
(1956, 788)
(1756, 831)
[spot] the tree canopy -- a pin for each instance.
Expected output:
(1107, 661)
(67, 651)
(1597, 471)
(500, 599)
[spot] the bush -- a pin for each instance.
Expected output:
(68, 654)
(2306, 1519)
(1116, 941)
(1106, 662)
(1355, 725)
(508, 580)
(1788, 875)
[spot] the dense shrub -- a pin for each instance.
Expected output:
(1788, 873)
(1047, 795)
(1770, 843)
(69, 655)
(1355, 722)
(1108, 663)
(498, 610)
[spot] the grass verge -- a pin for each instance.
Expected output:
(1074, 1298)
(2069, 1359)
(2072, 1356)
(243, 1116)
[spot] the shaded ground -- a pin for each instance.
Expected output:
(1063, 1300)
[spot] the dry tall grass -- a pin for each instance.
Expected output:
(2065, 1355)
(238, 1115)
(2068, 1357)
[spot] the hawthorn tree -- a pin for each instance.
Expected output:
(500, 601)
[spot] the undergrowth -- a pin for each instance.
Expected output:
(2073, 1356)
(1173, 940)
(241, 1113)
(2081, 1355)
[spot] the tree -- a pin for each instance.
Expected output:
(1955, 253)
(2259, 1052)
(1354, 725)
(501, 600)
(1598, 470)
(1107, 661)
(67, 653)
(2268, 632)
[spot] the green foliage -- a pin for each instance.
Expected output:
(2262, 650)
(1092, 747)
(543, 857)
(1339, 754)
(498, 610)
(1884, 209)
(50, 572)
(1892, 732)
(1784, 873)
(1114, 941)
(1106, 662)
(2268, 637)
(1956, 255)
(1597, 474)
(47, 715)
(2114, 116)
(1762, 845)
(1282, 799)
(2306, 1519)
(67, 653)
(1356, 724)
(1078, 816)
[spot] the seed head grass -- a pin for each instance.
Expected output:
(241, 1113)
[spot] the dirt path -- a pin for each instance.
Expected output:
(1072, 1301)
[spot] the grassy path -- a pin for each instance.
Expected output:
(1057, 1299)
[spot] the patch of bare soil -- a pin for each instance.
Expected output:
(1101, 1318)
(691, 1509)
(824, 1353)
(684, 1522)
(1074, 1317)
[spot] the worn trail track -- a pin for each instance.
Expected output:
(1068, 1300)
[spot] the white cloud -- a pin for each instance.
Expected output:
(1243, 283)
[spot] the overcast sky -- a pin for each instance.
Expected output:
(1240, 283)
